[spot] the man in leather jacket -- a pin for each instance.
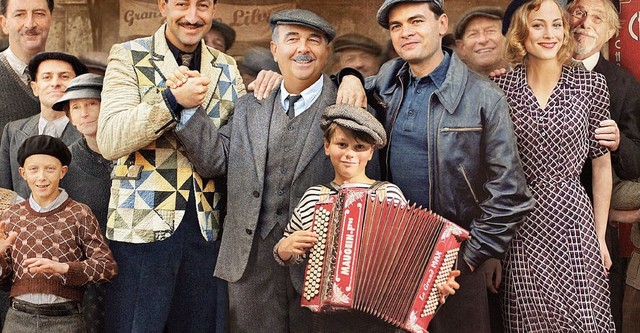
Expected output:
(451, 147)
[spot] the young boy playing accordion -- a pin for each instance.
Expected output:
(351, 136)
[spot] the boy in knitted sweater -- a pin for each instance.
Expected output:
(52, 245)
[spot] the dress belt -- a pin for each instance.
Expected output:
(52, 310)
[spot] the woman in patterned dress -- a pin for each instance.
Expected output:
(555, 275)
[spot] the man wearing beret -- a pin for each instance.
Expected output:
(271, 151)
(479, 40)
(451, 148)
(51, 73)
(164, 217)
(356, 51)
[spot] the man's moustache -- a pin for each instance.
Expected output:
(303, 57)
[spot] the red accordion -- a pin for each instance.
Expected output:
(379, 257)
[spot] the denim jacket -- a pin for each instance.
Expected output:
(477, 180)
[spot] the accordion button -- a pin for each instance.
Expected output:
(256, 194)
(248, 231)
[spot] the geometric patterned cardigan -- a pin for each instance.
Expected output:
(153, 177)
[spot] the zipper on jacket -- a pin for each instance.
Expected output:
(466, 179)
(461, 129)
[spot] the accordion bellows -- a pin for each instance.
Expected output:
(379, 257)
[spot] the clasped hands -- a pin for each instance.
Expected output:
(32, 265)
(189, 87)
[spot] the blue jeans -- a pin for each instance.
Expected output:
(167, 286)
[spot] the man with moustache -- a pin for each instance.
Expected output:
(479, 41)
(27, 23)
(593, 23)
(271, 151)
(164, 219)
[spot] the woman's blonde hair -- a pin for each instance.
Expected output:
(515, 52)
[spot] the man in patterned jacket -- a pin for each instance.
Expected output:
(164, 218)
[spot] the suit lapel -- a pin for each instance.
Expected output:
(314, 140)
(29, 129)
(258, 122)
(209, 68)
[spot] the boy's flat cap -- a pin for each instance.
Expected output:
(355, 119)
(46, 145)
(383, 13)
(305, 18)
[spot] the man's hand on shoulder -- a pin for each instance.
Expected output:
(352, 92)
(264, 84)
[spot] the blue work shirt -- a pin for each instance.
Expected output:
(413, 136)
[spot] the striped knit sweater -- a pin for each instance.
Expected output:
(302, 218)
(68, 234)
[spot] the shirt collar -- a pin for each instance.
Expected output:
(438, 75)
(59, 124)
(18, 65)
(57, 202)
(591, 62)
(195, 63)
(309, 95)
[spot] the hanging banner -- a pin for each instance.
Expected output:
(139, 18)
(251, 22)
(624, 49)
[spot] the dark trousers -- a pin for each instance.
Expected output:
(167, 286)
(264, 299)
(467, 311)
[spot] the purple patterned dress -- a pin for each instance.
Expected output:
(554, 279)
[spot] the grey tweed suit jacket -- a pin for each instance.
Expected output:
(239, 149)
(14, 134)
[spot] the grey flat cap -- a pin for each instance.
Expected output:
(355, 119)
(383, 13)
(84, 86)
(494, 13)
(305, 18)
(356, 41)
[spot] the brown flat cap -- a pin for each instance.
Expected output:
(356, 41)
(355, 119)
(493, 13)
